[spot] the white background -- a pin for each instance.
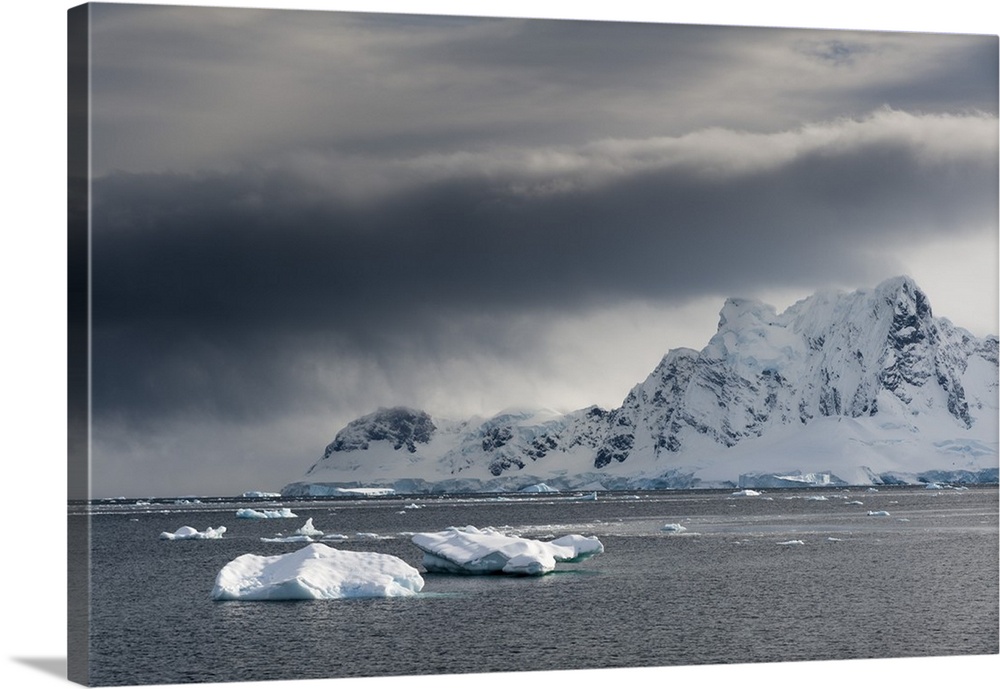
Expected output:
(32, 267)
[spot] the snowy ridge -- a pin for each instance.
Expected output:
(861, 388)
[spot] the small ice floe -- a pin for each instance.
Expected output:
(934, 486)
(877, 513)
(412, 506)
(308, 529)
(334, 537)
(142, 503)
(834, 539)
(747, 493)
(372, 536)
(583, 496)
(903, 519)
(469, 550)
(873, 490)
(674, 528)
(299, 538)
(854, 502)
(816, 497)
(792, 542)
(189, 533)
(317, 571)
(283, 513)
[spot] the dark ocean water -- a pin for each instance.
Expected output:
(922, 581)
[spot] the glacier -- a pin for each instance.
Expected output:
(317, 571)
(841, 388)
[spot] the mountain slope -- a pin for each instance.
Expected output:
(857, 387)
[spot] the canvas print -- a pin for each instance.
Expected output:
(411, 345)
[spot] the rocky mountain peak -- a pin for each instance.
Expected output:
(876, 357)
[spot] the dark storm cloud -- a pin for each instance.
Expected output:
(301, 216)
(211, 291)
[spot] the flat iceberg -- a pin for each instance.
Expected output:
(747, 492)
(260, 494)
(470, 550)
(189, 533)
(299, 538)
(877, 513)
(676, 528)
(283, 513)
(316, 571)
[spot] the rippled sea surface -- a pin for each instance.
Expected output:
(787, 575)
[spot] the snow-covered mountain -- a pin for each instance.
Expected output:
(860, 388)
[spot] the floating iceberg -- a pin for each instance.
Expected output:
(676, 528)
(287, 539)
(283, 513)
(316, 572)
(747, 492)
(308, 529)
(260, 494)
(470, 550)
(189, 533)
(796, 542)
(877, 513)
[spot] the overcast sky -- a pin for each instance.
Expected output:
(299, 217)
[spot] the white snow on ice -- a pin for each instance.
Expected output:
(308, 529)
(317, 571)
(469, 550)
(189, 533)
